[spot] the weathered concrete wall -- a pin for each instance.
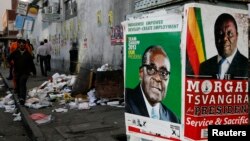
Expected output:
(98, 49)
(92, 38)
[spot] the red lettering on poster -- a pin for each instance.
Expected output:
(214, 102)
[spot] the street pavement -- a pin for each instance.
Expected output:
(10, 130)
(99, 123)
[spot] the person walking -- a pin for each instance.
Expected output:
(42, 55)
(22, 68)
(31, 50)
(12, 47)
(49, 49)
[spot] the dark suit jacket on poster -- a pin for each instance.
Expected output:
(238, 67)
(135, 104)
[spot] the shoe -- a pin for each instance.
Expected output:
(21, 102)
(9, 78)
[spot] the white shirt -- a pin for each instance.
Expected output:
(49, 48)
(149, 107)
(226, 64)
(42, 50)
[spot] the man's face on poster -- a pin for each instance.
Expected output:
(226, 38)
(155, 76)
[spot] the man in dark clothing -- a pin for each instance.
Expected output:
(42, 53)
(9, 50)
(73, 53)
(22, 67)
(29, 45)
(48, 56)
(229, 63)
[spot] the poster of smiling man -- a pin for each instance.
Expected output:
(216, 58)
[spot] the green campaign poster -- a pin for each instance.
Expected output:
(153, 75)
(171, 43)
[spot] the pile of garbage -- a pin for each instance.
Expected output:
(59, 89)
(107, 67)
(7, 102)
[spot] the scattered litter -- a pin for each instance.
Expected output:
(11, 102)
(34, 106)
(8, 104)
(44, 120)
(43, 85)
(55, 76)
(18, 114)
(1, 104)
(84, 105)
(72, 81)
(62, 102)
(8, 92)
(92, 104)
(37, 116)
(72, 105)
(7, 99)
(91, 97)
(60, 110)
(17, 117)
(32, 100)
(120, 106)
(113, 103)
(10, 108)
(67, 97)
(58, 88)
(40, 118)
(102, 101)
(104, 67)
(103, 104)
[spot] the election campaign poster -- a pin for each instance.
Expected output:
(153, 88)
(28, 23)
(19, 21)
(33, 11)
(215, 50)
(22, 7)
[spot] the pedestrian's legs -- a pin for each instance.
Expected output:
(23, 87)
(48, 62)
(33, 68)
(37, 58)
(17, 87)
(10, 72)
(14, 81)
(41, 64)
(45, 65)
(1, 59)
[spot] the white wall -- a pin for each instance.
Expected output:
(99, 49)
(4, 4)
(84, 26)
